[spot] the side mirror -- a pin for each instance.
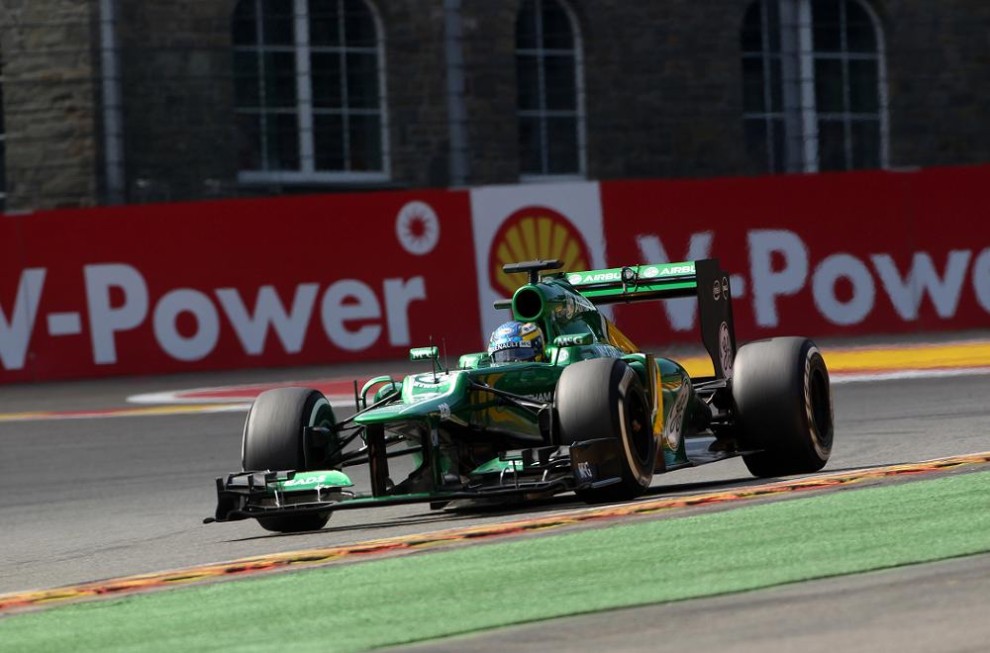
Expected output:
(424, 353)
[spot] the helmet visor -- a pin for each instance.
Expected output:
(512, 354)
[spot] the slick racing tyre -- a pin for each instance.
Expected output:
(604, 398)
(273, 440)
(783, 405)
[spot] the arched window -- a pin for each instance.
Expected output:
(550, 91)
(814, 85)
(847, 85)
(309, 91)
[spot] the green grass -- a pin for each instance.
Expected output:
(391, 601)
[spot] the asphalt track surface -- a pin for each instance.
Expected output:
(87, 499)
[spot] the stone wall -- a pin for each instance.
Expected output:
(664, 88)
(50, 110)
(938, 66)
(662, 79)
(416, 91)
(490, 91)
(176, 73)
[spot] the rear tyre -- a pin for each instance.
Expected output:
(783, 404)
(273, 440)
(604, 398)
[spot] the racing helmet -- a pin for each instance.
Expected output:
(516, 341)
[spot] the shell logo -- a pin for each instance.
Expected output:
(534, 232)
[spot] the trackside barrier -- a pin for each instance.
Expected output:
(322, 279)
(229, 284)
(822, 255)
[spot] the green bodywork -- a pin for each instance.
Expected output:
(475, 427)
(455, 405)
(436, 399)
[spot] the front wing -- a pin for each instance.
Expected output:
(541, 471)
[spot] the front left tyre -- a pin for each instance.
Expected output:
(604, 398)
(273, 439)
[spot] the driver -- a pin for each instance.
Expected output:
(516, 341)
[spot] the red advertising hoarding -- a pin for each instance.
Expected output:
(819, 255)
(240, 283)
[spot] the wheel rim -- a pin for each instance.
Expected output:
(320, 416)
(638, 424)
(821, 413)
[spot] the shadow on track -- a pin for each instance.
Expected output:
(463, 511)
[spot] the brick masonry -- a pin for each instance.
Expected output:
(50, 111)
(662, 79)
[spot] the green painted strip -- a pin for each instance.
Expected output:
(330, 478)
(411, 598)
(645, 272)
(640, 289)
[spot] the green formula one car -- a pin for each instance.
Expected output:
(584, 410)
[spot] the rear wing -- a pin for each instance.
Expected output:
(703, 279)
(637, 282)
